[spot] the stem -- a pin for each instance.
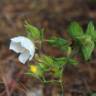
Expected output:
(61, 82)
(62, 88)
(42, 41)
(52, 81)
(57, 81)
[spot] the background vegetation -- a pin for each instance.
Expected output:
(54, 16)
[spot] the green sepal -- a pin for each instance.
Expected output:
(75, 30)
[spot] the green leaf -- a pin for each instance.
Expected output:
(72, 61)
(94, 94)
(57, 73)
(33, 32)
(59, 62)
(58, 66)
(84, 40)
(75, 30)
(91, 31)
(46, 60)
(42, 35)
(59, 43)
(87, 50)
(69, 51)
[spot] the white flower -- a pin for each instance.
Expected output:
(24, 46)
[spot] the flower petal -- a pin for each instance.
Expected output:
(24, 46)
(25, 42)
(31, 56)
(23, 57)
(16, 47)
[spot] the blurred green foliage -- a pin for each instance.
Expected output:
(86, 40)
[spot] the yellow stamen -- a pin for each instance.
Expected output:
(33, 68)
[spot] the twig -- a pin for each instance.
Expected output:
(6, 87)
(62, 88)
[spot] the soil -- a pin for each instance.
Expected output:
(54, 16)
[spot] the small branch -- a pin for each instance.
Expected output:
(6, 86)
(62, 88)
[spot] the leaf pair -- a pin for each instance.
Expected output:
(56, 64)
(86, 40)
(59, 64)
(33, 32)
(60, 43)
(46, 64)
